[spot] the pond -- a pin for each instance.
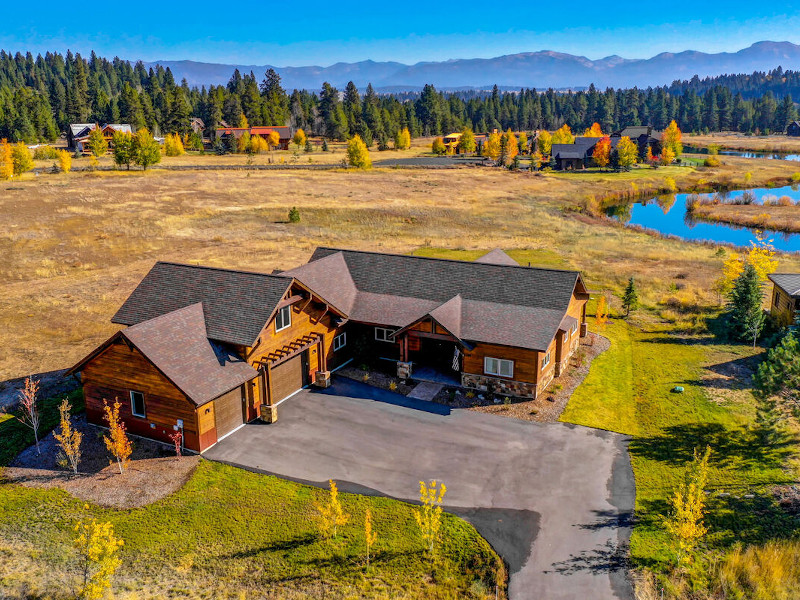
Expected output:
(667, 214)
(743, 154)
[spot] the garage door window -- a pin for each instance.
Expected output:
(137, 404)
(340, 341)
(284, 318)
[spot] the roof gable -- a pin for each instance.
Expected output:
(237, 304)
(497, 257)
(177, 345)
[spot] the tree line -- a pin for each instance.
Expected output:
(40, 96)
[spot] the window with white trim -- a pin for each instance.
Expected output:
(574, 328)
(383, 334)
(340, 341)
(545, 360)
(498, 366)
(284, 318)
(566, 337)
(137, 404)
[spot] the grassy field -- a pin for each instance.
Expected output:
(775, 218)
(229, 533)
(77, 244)
(752, 143)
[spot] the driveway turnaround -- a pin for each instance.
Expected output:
(554, 500)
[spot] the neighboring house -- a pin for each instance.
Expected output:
(284, 133)
(643, 136)
(785, 296)
(208, 349)
(570, 157)
(793, 129)
(78, 134)
(197, 125)
(451, 142)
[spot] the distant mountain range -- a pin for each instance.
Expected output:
(543, 69)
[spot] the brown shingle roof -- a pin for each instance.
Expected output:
(237, 304)
(480, 301)
(177, 344)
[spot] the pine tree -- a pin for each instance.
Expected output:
(743, 314)
(630, 299)
(779, 374)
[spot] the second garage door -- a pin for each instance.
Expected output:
(228, 412)
(288, 377)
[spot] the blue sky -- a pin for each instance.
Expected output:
(322, 33)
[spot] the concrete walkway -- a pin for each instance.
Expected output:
(554, 500)
(425, 391)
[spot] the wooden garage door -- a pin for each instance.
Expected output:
(289, 377)
(228, 412)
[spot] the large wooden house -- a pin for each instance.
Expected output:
(785, 297)
(206, 350)
(78, 134)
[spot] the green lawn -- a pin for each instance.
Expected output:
(628, 390)
(229, 533)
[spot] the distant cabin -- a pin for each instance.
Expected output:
(785, 304)
(643, 136)
(571, 157)
(793, 129)
(78, 134)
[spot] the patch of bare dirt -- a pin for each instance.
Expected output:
(153, 473)
(729, 378)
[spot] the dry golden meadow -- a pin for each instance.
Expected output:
(75, 245)
(739, 141)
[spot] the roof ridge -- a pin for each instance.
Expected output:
(226, 270)
(452, 260)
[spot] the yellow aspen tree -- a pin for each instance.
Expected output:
(667, 156)
(22, 158)
(97, 548)
(69, 439)
(370, 536)
(522, 144)
(545, 142)
(563, 135)
(466, 143)
(273, 140)
(492, 146)
(762, 256)
(358, 154)
(512, 147)
(6, 160)
(429, 515)
(117, 440)
(685, 522)
(402, 139)
(64, 161)
(331, 514)
(173, 146)
(438, 147)
(299, 138)
(627, 152)
(594, 131)
(601, 312)
(671, 138)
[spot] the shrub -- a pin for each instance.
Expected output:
(438, 147)
(357, 153)
(711, 161)
(294, 215)
(22, 157)
(785, 201)
(796, 177)
(46, 153)
(670, 185)
(64, 161)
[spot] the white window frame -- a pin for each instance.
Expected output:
(574, 328)
(337, 344)
(546, 360)
(283, 315)
(498, 372)
(385, 332)
(143, 415)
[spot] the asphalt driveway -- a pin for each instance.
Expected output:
(554, 500)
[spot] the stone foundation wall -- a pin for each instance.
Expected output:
(499, 386)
